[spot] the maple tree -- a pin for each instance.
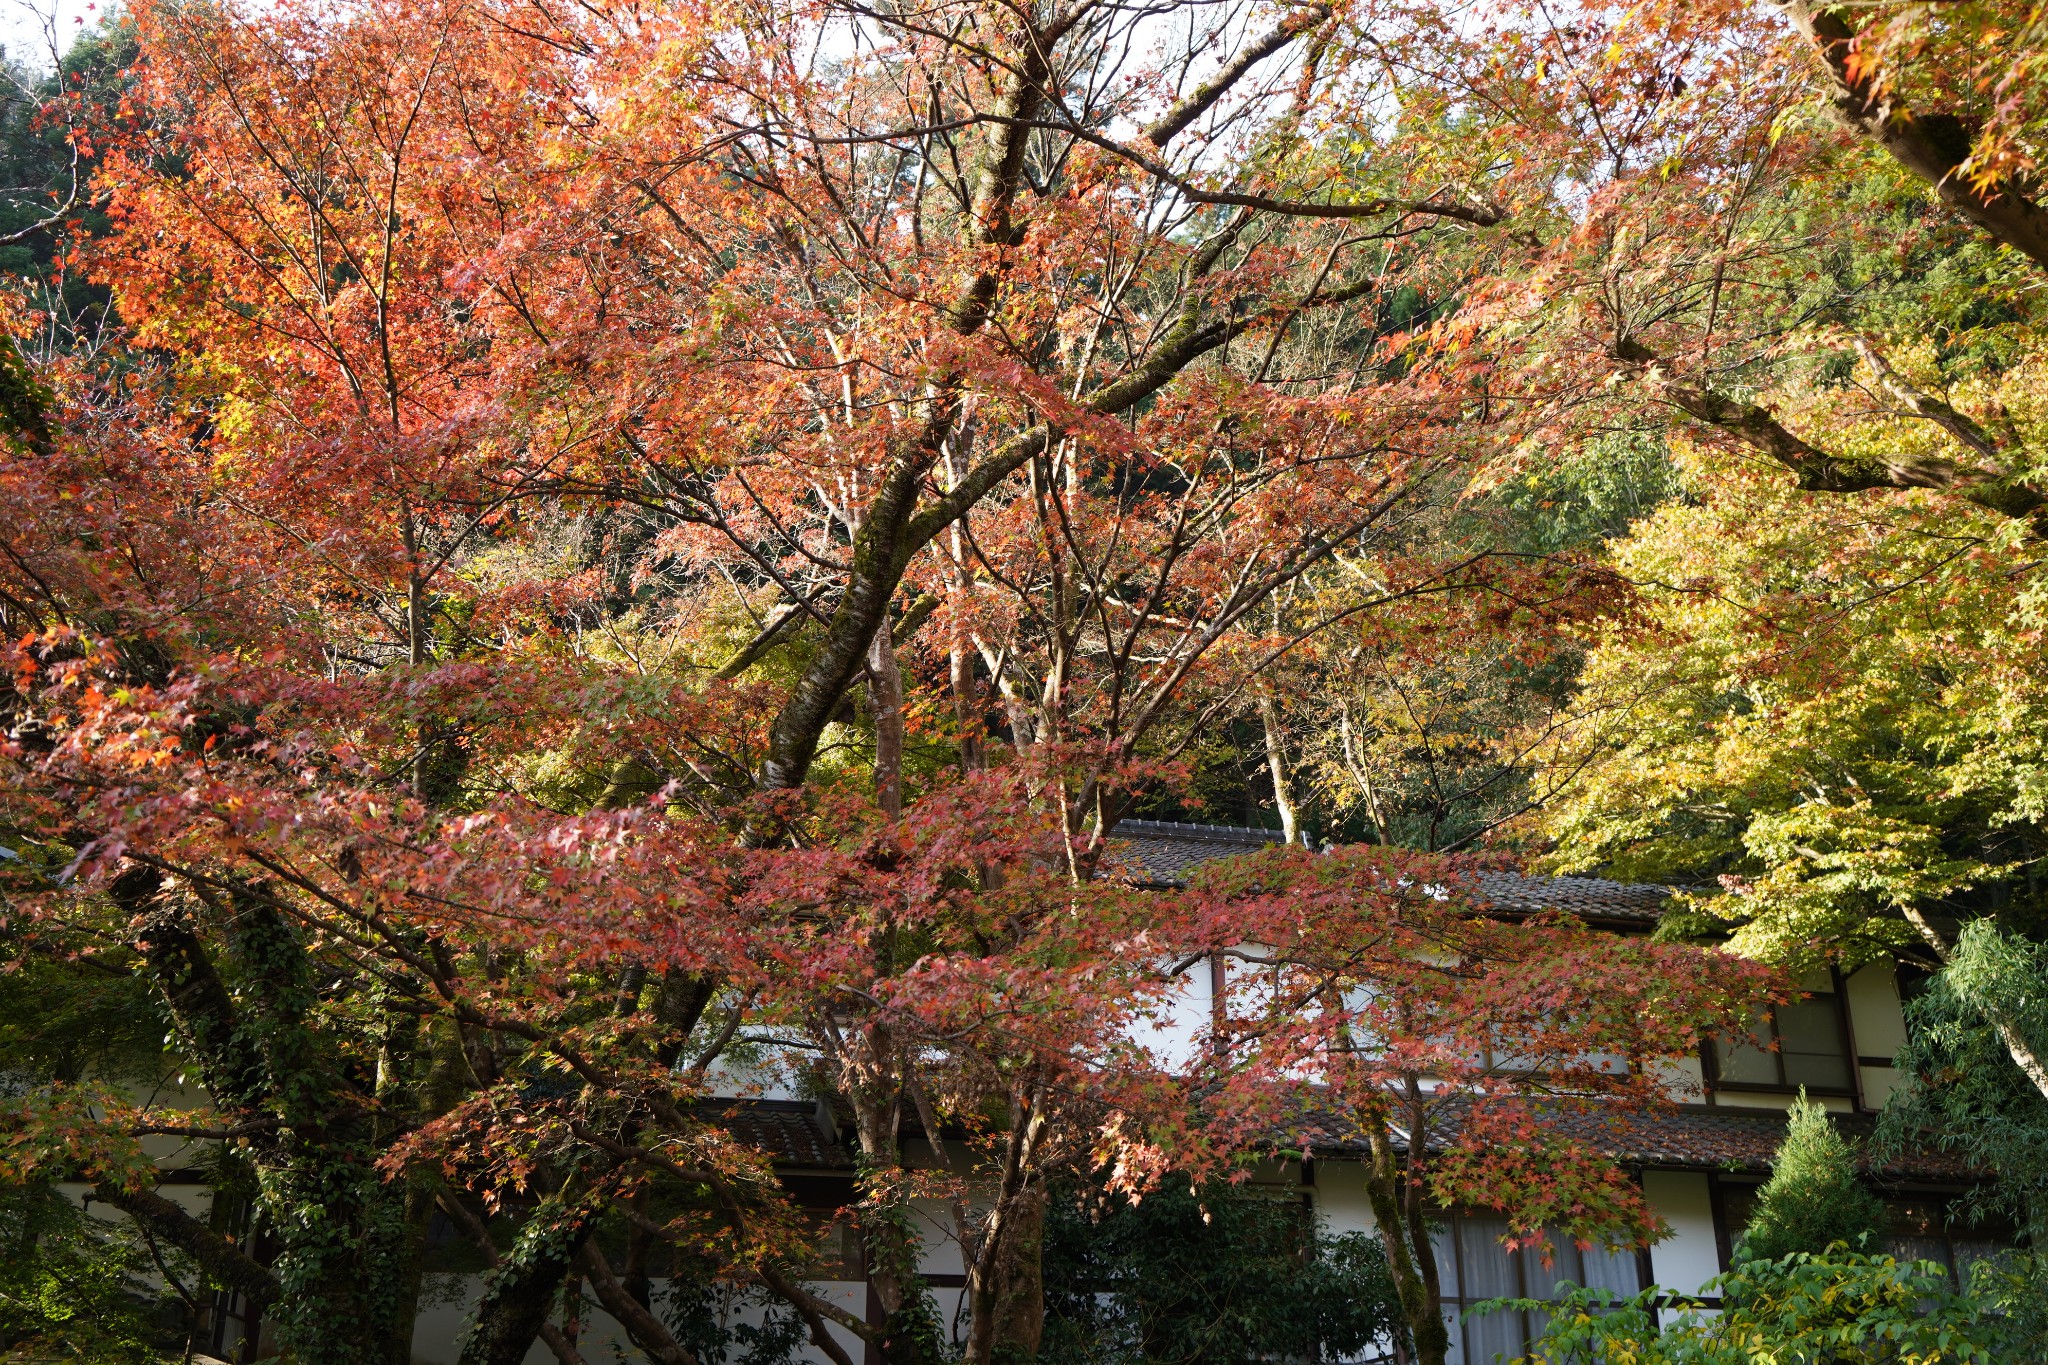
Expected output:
(1826, 716)
(1743, 180)
(616, 537)
(1456, 1048)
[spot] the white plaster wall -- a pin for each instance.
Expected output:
(952, 1306)
(763, 1076)
(1684, 1079)
(437, 1331)
(196, 1200)
(1172, 1030)
(1340, 1198)
(1690, 1256)
(1878, 1022)
(940, 1252)
(1875, 1015)
(1743, 1099)
(1878, 1084)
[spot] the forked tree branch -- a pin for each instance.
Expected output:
(219, 1257)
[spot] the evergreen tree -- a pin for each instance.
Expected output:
(1223, 1277)
(1813, 1199)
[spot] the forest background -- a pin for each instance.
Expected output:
(550, 550)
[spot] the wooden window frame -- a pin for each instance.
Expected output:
(1710, 1057)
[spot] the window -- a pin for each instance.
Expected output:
(1801, 1044)
(1473, 1267)
(1928, 1227)
(835, 1251)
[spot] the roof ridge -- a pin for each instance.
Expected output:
(1576, 877)
(1188, 829)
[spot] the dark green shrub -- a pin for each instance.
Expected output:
(1226, 1276)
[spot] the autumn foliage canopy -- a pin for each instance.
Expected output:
(605, 549)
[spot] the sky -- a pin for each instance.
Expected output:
(21, 26)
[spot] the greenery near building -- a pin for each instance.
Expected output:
(1813, 1200)
(1842, 1308)
(1811, 1285)
(1223, 1276)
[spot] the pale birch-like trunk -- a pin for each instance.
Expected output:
(885, 695)
(1276, 761)
(2017, 1046)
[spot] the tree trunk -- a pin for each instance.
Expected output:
(909, 1326)
(1020, 1298)
(885, 692)
(960, 654)
(1414, 1284)
(521, 1292)
(346, 1243)
(966, 704)
(1005, 1279)
(342, 1231)
(441, 1090)
(1276, 761)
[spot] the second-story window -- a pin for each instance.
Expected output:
(1805, 1043)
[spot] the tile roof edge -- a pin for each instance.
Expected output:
(1176, 829)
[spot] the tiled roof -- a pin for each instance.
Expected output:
(799, 1135)
(793, 1132)
(1591, 897)
(1737, 1140)
(1693, 1136)
(1159, 853)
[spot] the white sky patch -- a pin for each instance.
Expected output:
(29, 28)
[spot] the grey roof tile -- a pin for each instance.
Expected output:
(791, 1132)
(1692, 1137)
(1162, 853)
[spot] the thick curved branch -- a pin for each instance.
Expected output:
(1817, 470)
(645, 1329)
(914, 616)
(1924, 405)
(781, 622)
(1198, 101)
(196, 999)
(218, 1256)
(1934, 147)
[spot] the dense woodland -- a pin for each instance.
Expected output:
(552, 553)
